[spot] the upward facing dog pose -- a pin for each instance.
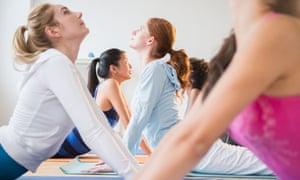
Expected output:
(54, 99)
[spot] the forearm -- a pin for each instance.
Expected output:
(90, 121)
(133, 135)
(112, 151)
(145, 147)
(174, 144)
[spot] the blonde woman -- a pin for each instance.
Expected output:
(54, 99)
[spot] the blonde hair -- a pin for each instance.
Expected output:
(29, 41)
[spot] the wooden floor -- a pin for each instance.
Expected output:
(51, 167)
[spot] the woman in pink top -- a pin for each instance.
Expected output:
(258, 97)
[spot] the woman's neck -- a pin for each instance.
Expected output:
(70, 49)
(145, 58)
(115, 78)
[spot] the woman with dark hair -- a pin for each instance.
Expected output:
(113, 68)
(198, 76)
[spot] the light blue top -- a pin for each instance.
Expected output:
(154, 105)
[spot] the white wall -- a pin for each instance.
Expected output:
(200, 25)
(12, 14)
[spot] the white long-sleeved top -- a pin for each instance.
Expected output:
(53, 98)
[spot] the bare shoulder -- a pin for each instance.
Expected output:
(278, 31)
(281, 25)
(287, 32)
(271, 40)
(109, 87)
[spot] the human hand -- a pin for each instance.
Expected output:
(99, 167)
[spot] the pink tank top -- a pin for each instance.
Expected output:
(270, 127)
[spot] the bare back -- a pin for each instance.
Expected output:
(291, 76)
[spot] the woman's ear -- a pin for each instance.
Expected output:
(52, 32)
(150, 40)
(113, 69)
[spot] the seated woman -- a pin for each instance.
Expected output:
(113, 68)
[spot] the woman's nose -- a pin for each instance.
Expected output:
(79, 14)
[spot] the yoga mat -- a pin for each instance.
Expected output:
(76, 166)
(81, 178)
(68, 177)
(198, 174)
(93, 158)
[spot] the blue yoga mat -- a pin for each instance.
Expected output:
(81, 178)
(67, 177)
(198, 174)
(76, 166)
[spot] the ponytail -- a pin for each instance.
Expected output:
(23, 54)
(219, 63)
(165, 34)
(29, 41)
(92, 76)
(180, 62)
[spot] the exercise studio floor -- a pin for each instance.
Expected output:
(51, 170)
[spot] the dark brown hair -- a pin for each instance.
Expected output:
(99, 67)
(291, 7)
(220, 62)
(199, 72)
